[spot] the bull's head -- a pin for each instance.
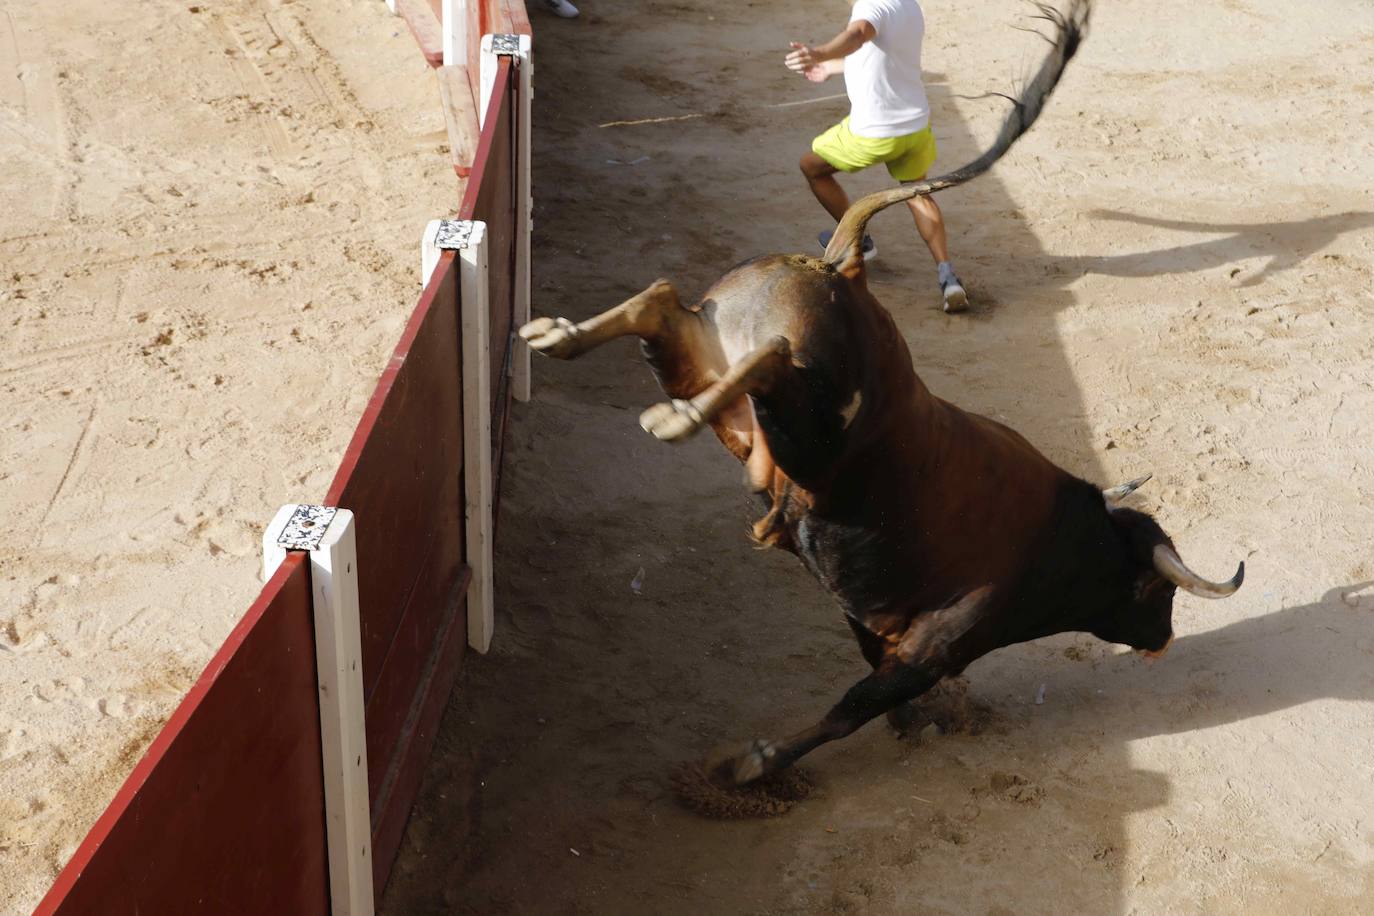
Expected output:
(1145, 622)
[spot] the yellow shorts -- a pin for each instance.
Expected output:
(907, 158)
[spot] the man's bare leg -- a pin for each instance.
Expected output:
(930, 223)
(821, 176)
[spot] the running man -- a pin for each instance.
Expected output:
(879, 53)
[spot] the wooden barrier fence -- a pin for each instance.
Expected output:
(283, 781)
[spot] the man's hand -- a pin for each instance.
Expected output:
(809, 66)
(803, 60)
(811, 62)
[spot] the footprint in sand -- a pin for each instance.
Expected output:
(118, 706)
(61, 690)
(14, 741)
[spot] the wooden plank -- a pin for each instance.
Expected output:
(477, 494)
(225, 811)
(453, 19)
(516, 18)
(424, 25)
(327, 534)
(343, 737)
(483, 158)
(398, 792)
(402, 475)
(400, 680)
(462, 24)
(455, 93)
(521, 377)
(402, 465)
(500, 207)
(490, 197)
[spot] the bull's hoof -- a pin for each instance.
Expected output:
(906, 719)
(741, 768)
(671, 421)
(556, 337)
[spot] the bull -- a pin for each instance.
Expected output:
(942, 534)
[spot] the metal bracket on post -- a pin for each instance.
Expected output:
(328, 534)
(468, 239)
(516, 47)
(443, 235)
(520, 50)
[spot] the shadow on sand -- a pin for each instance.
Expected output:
(547, 791)
(1282, 245)
(1242, 670)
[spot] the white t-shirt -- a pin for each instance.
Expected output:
(883, 78)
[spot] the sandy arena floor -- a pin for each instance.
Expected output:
(1172, 274)
(208, 244)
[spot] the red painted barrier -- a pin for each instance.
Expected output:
(225, 812)
(402, 476)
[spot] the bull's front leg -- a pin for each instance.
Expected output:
(890, 685)
(755, 373)
(656, 316)
(906, 663)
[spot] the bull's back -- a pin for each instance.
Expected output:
(771, 296)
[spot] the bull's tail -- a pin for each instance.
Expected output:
(845, 251)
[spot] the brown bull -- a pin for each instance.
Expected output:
(943, 534)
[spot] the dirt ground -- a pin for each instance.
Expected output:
(209, 241)
(1171, 274)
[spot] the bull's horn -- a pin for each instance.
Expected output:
(1171, 566)
(1120, 492)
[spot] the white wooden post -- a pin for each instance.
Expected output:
(468, 238)
(474, 294)
(524, 222)
(328, 535)
(429, 251)
(391, 5)
(519, 49)
(455, 29)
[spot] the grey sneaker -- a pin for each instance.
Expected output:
(562, 8)
(870, 250)
(956, 299)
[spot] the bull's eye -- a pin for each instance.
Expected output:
(1146, 584)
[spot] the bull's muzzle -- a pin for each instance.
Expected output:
(1154, 655)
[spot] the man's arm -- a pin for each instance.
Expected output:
(806, 60)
